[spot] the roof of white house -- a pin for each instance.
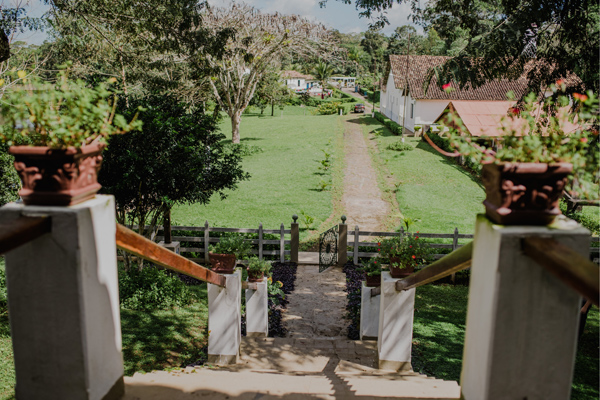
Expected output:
(418, 70)
(291, 74)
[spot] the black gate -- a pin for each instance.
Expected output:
(328, 248)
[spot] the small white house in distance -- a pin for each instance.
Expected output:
(343, 81)
(297, 81)
(404, 100)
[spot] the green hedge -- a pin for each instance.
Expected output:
(395, 128)
(346, 98)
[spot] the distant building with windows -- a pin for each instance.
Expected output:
(297, 81)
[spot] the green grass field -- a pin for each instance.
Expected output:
(285, 176)
(439, 334)
(428, 186)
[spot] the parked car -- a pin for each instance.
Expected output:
(359, 108)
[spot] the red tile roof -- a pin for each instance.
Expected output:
(418, 69)
(291, 74)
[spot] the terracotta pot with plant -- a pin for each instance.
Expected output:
(372, 271)
(224, 254)
(258, 269)
(57, 132)
(543, 148)
(405, 254)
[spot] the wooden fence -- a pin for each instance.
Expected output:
(204, 239)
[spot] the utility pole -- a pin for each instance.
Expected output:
(405, 87)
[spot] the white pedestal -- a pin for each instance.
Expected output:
(369, 314)
(224, 320)
(63, 301)
(173, 246)
(257, 310)
(522, 322)
(395, 325)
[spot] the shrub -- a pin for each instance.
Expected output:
(257, 266)
(399, 146)
(151, 289)
(588, 222)
(234, 244)
(395, 128)
(328, 108)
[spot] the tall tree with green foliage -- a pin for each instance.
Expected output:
(322, 72)
(547, 39)
(177, 157)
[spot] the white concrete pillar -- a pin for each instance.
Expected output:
(63, 300)
(522, 322)
(369, 313)
(257, 310)
(173, 246)
(224, 320)
(395, 325)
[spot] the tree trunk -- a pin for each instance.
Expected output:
(235, 126)
(167, 226)
(272, 108)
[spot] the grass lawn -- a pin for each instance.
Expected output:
(439, 330)
(285, 176)
(428, 186)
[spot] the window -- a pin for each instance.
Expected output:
(412, 110)
(298, 82)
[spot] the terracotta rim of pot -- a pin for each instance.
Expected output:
(222, 263)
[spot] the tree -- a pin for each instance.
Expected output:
(322, 73)
(178, 157)
(260, 41)
(270, 91)
(372, 43)
(547, 39)
(355, 55)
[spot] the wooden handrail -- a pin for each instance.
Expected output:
(574, 270)
(138, 245)
(456, 261)
(17, 232)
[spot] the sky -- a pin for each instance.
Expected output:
(336, 15)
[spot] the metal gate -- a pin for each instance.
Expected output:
(328, 248)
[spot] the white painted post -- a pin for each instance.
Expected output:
(395, 325)
(257, 311)
(260, 241)
(206, 242)
(522, 322)
(63, 300)
(224, 320)
(356, 237)
(282, 244)
(369, 313)
(173, 246)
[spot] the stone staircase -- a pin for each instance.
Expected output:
(292, 368)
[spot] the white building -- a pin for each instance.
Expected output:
(297, 81)
(404, 100)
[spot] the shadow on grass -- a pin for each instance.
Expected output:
(446, 160)
(164, 338)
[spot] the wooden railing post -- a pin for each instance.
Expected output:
(63, 301)
(355, 250)
(295, 239)
(521, 332)
(282, 244)
(454, 247)
(206, 242)
(342, 242)
(260, 241)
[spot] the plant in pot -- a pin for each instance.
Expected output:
(257, 269)
(372, 271)
(542, 146)
(56, 133)
(405, 254)
(223, 255)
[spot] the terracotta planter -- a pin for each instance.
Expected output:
(373, 281)
(58, 177)
(524, 193)
(255, 276)
(222, 263)
(396, 272)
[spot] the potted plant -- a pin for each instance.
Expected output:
(57, 133)
(405, 253)
(372, 271)
(543, 146)
(257, 269)
(223, 255)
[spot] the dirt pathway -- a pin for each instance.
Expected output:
(362, 198)
(318, 304)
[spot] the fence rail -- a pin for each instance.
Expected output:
(17, 232)
(138, 245)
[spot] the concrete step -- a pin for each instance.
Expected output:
(292, 368)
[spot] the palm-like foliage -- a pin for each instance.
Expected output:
(322, 72)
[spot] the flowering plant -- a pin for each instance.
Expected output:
(372, 267)
(407, 251)
(65, 114)
(551, 131)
